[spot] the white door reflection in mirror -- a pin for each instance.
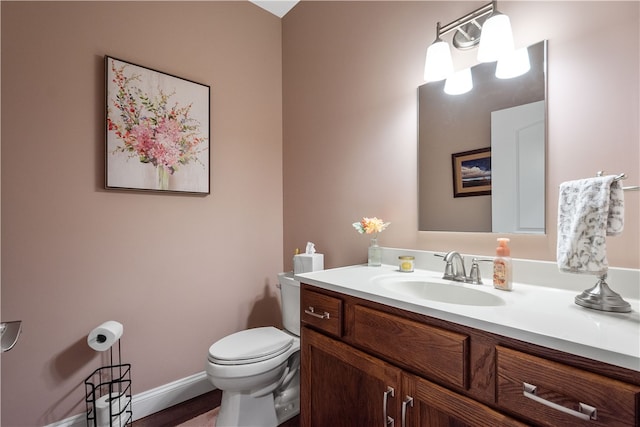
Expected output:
(518, 151)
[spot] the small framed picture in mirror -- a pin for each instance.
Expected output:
(471, 173)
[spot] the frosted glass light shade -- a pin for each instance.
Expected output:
(496, 38)
(514, 64)
(459, 82)
(438, 64)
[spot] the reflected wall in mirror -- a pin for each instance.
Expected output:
(508, 115)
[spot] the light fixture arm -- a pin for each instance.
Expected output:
(438, 39)
(468, 18)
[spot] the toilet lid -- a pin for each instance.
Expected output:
(250, 346)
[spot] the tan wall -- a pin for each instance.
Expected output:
(75, 255)
(351, 72)
(178, 271)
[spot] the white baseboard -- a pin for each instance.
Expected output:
(155, 400)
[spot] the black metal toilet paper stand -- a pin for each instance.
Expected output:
(114, 381)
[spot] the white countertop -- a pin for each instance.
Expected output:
(541, 315)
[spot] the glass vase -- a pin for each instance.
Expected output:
(375, 254)
(163, 177)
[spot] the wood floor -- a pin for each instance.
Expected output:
(185, 411)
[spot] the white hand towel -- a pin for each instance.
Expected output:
(588, 211)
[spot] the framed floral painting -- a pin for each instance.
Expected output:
(157, 130)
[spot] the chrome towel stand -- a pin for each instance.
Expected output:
(600, 296)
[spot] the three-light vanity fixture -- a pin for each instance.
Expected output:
(486, 28)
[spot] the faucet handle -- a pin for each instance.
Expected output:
(475, 277)
(448, 269)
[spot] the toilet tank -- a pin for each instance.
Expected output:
(290, 295)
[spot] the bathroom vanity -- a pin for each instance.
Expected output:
(376, 352)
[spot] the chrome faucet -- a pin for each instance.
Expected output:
(454, 270)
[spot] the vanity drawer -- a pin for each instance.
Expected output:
(427, 350)
(554, 394)
(322, 311)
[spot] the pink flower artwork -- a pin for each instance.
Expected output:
(157, 130)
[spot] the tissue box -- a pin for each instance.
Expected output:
(305, 263)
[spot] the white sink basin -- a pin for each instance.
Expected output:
(449, 293)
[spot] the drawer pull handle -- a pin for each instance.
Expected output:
(388, 421)
(585, 412)
(311, 311)
(408, 401)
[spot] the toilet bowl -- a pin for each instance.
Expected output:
(258, 369)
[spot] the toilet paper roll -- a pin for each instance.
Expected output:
(117, 403)
(105, 335)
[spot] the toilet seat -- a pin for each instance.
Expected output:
(250, 346)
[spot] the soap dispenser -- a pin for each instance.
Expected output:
(502, 270)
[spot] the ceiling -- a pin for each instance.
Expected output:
(277, 7)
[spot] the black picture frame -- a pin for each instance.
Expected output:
(157, 130)
(471, 172)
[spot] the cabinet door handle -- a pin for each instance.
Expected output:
(312, 311)
(408, 401)
(584, 412)
(388, 421)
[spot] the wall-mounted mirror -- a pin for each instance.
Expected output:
(481, 155)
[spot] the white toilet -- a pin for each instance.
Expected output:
(258, 369)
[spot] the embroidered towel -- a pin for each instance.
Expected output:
(588, 211)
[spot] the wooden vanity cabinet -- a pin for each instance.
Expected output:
(341, 386)
(355, 362)
(367, 364)
(345, 387)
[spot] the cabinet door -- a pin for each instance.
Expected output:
(434, 406)
(342, 386)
